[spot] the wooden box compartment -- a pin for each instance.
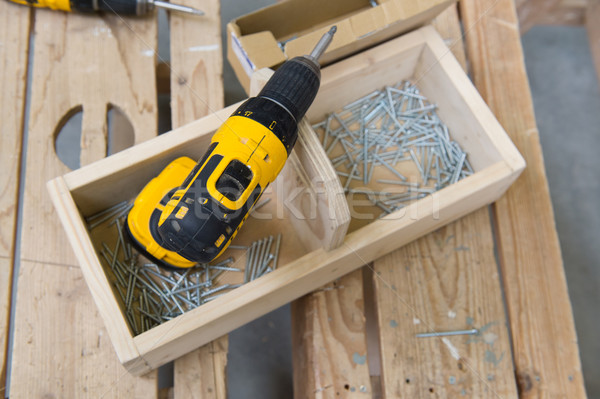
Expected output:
(315, 246)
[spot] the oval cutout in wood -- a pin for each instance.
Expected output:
(67, 138)
(120, 130)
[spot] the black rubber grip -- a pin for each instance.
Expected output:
(119, 7)
(294, 85)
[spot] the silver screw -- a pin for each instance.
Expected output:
(472, 331)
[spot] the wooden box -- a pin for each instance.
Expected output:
(315, 247)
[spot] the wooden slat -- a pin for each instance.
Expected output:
(545, 347)
(14, 45)
(196, 63)
(592, 18)
(530, 11)
(196, 91)
(329, 342)
(447, 280)
(61, 348)
(87, 61)
(554, 12)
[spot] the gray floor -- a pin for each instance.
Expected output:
(566, 97)
(567, 104)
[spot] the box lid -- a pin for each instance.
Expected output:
(269, 36)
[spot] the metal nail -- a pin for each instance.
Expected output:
(471, 331)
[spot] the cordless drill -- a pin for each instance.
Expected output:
(200, 218)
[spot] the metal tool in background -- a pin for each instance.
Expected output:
(120, 7)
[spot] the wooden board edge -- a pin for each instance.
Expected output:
(592, 16)
(17, 71)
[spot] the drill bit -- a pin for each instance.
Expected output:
(323, 44)
(177, 7)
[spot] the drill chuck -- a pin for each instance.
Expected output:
(296, 83)
(294, 86)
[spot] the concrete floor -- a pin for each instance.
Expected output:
(566, 97)
(567, 104)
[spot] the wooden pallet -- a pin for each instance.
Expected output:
(358, 335)
(446, 280)
(93, 63)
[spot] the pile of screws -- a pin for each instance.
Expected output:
(387, 128)
(152, 295)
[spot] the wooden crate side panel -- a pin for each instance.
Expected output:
(478, 132)
(14, 46)
(93, 272)
(196, 91)
(91, 62)
(538, 303)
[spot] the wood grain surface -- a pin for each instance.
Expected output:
(61, 348)
(14, 46)
(445, 281)
(329, 341)
(546, 353)
(196, 91)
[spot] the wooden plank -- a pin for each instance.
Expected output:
(529, 12)
(592, 16)
(203, 372)
(196, 63)
(72, 357)
(329, 341)
(61, 348)
(14, 46)
(445, 281)
(546, 353)
(196, 91)
(561, 12)
(115, 66)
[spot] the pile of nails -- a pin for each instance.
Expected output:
(384, 129)
(152, 295)
(260, 256)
